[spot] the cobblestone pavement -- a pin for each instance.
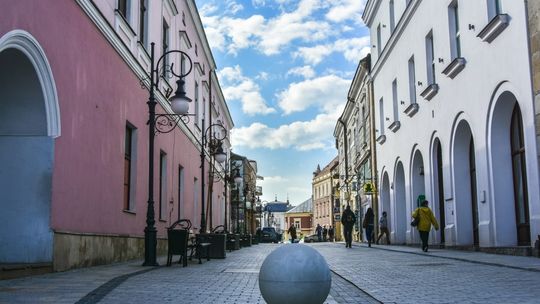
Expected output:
(391, 274)
(381, 274)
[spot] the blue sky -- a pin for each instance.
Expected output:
(285, 67)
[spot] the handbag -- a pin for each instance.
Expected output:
(416, 220)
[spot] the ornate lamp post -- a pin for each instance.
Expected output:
(165, 123)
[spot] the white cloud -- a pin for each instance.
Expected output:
(315, 54)
(326, 93)
(304, 71)
(353, 50)
(262, 76)
(343, 10)
(269, 36)
(299, 135)
(233, 7)
(238, 87)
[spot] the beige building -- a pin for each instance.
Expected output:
(323, 186)
(534, 40)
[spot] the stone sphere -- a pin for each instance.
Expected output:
(295, 273)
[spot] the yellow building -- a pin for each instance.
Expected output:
(325, 203)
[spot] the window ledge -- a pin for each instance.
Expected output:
(381, 139)
(430, 91)
(411, 109)
(455, 67)
(130, 211)
(494, 27)
(395, 126)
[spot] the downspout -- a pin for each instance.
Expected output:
(346, 159)
(373, 153)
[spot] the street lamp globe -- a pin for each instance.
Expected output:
(237, 178)
(180, 102)
(220, 156)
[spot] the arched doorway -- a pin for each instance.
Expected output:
(29, 121)
(511, 202)
(385, 199)
(438, 183)
(400, 205)
(465, 186)
(417, 177)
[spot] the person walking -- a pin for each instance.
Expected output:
(325, 233)
(331, 233)
(383, 225)
(318, 230)
(292, 232)
(369, 224)
(425, 220)
(348, 219)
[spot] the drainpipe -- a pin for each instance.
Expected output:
(346, 158)
(373, 153)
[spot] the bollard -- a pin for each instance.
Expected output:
(294, 273)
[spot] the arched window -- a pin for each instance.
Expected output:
(519, 177)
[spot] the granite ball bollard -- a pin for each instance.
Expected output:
(294, 273)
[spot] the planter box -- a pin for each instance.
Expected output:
(217, 244)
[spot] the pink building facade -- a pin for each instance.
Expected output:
(74, 135)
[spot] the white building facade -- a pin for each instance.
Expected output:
(455, 119)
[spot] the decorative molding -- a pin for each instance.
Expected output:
(494, 28)
(411, 109)
(455, 67)
(29, 46)
(184, 37)
(131, 60)
(430, 91)
(199, 68)
(396, 34)
(381, 139)
(172, 7)
(394, 126)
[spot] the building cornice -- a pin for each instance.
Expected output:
(396, 35)
(112, 37)
(194, 13)
(370, 11)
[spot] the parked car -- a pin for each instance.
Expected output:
(270, 235)
(311, 238)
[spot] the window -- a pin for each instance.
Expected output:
(407, 2)
(297, 224)
(455, 36)
(162, 184)
(165, 44)
(180, 190)
(519, 170)
(395, 100)
(494, 8)
(364, 127)
(123, 8)
(412, 81)
(381, 117)
(197, 114)
(392, 16)
(430, 59)
(129, 164)
(379, 40)
(143, 22)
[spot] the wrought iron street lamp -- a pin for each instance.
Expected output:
(165, 123)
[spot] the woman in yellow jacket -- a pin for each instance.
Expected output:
(424, 225)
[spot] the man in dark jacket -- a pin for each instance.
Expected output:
(348, 219)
